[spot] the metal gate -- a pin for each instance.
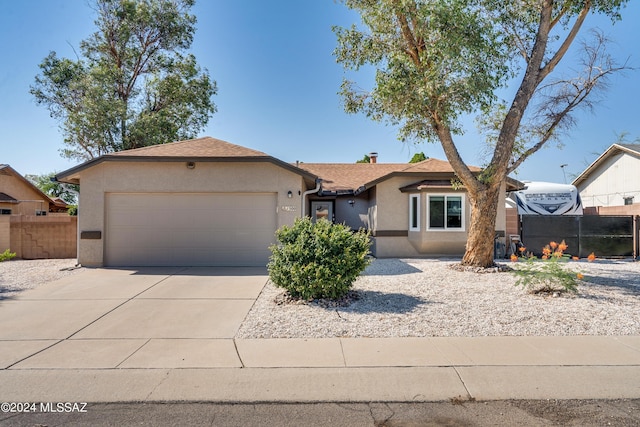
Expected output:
(606, 236)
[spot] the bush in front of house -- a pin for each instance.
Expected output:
(548, 275)
(318, 260)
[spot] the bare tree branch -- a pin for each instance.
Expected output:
(562, 97)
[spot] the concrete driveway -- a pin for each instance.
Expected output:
(130, 318)
(109, 335)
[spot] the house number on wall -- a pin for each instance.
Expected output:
(288, 208)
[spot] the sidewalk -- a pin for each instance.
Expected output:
(349, 370)
(168, 335)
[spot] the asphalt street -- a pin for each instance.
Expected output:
(431, 414)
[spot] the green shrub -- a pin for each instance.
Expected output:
(318, 260)
(7, 255)
(549, 273)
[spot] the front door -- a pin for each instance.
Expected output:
(322, 210)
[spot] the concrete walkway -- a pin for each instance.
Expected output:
(108, 335)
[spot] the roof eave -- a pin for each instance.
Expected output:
(67, 176)
(594, 165)
(403, 173)
(513, 184)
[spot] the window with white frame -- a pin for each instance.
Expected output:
(445, 212)
(414, 212)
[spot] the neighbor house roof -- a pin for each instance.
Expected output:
(205, 149)
(614, 149)
(8, 170)
(357, 177)
(7, 198)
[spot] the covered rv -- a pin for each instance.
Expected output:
(547, 198)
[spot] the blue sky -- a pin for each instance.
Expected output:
(278, 84)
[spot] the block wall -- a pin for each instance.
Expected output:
(39, 237)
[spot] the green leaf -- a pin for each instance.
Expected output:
(133, 85)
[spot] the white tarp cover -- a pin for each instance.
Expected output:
(547, 198)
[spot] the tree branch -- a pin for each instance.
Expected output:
(506, 139)
(562, 12)
(453, 156)
(407, 35)
(549, 67)
(572, 94)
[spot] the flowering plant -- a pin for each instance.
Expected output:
(549, 274)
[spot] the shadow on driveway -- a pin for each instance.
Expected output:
(195, 271)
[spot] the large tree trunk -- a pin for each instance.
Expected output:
(480, 241)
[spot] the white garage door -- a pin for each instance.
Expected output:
(189, 229)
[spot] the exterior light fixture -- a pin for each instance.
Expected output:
(351, 202)
(289, 194)
(191, 165)
(563, 172)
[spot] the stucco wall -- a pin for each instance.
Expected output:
(158, 177)
(394, 247)
(617, 177)
(354, 215)
(393, 205)
(393, 215)
(501, 218)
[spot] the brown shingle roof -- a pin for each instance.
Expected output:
(200, 147)
(352, 176)
(349, 176)
(336, 176)
(205, 149)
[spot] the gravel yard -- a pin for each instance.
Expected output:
(425, 297)
(418, 298)
(18, 275)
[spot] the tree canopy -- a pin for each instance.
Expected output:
(133, 84)
(418, 157)
(438, 60)
(67, 192)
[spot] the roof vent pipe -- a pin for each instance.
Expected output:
(373, 157)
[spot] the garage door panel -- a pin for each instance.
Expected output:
(185, 229)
